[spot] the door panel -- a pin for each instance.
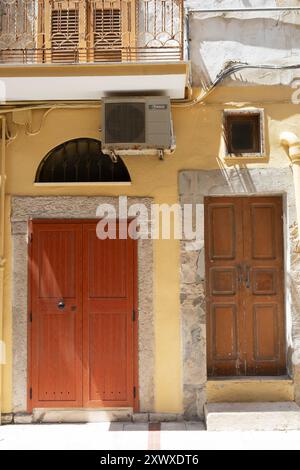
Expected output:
(56, 333)
(245, 289)
(107, 327)
(224, 325)
(265, 319)
(262, 229)
(107, 357)
(106, 266)
(223, 222)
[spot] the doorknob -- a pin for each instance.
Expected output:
(61, 305)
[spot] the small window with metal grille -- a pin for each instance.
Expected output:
(244, 133)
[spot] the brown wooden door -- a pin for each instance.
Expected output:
(245, 286)
(82, 330)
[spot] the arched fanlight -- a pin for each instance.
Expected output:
(81, 161)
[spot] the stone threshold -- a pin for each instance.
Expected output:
(250, 389)
(89, 416)
(250, 378)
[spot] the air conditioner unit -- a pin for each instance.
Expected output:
(137, 125)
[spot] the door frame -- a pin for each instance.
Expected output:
(284, 279)
(135, 358)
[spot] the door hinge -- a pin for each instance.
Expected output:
(30, 317)
(30, 393)
(133, 315)
(30, 237)
(134, 392)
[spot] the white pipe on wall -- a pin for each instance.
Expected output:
(292, 141)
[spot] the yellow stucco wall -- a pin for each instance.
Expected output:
(198, 132)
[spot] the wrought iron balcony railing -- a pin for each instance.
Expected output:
(88, 31)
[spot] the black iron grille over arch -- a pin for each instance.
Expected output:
(81, 161)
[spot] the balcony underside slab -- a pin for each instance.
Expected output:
(91, 82)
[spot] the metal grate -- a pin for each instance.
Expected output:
(69, 31)
(125, 123)
(81, 161)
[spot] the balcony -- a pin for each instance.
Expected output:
(88, 31)
(83, 50)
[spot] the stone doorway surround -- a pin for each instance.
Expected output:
(194, 185)
(25, 208)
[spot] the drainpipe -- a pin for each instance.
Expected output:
(2, 249)
(290, 140)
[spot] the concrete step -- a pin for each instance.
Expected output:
(52, 415)
(280, 416)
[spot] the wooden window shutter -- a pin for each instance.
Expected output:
(65, 32)
(111, 30)
(93, 31)
(107, 35)
(65, 36)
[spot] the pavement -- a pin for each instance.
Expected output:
(139, 436)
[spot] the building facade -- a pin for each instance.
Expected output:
(153, 328)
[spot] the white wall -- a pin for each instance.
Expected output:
(217, 39)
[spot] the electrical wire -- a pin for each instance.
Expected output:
(228, 71)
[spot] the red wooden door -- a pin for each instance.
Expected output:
(56, 285)
(245, 289)
(108, 302)
(83, 335)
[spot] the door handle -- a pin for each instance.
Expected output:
(61, 305)
(248, 278)
(240, 275)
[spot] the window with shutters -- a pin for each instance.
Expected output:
(97, 31)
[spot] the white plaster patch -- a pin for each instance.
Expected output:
(201, 265)
(296, 358)
(194, 246)
(2, 352)
(255, 38)
(2, 91)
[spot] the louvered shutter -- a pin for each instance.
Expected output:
(107, 35)
(88, 31)
(65, 36)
